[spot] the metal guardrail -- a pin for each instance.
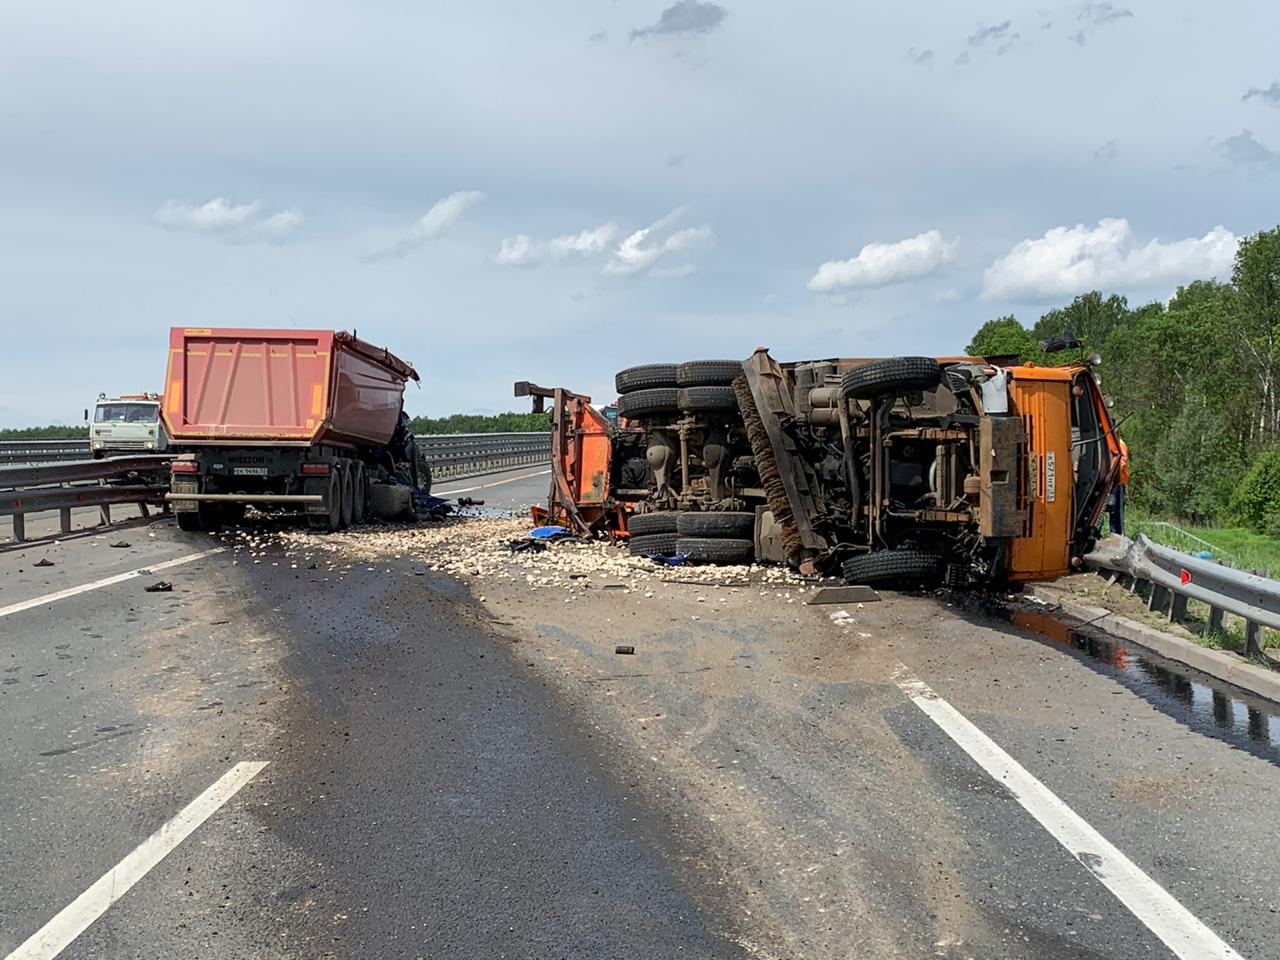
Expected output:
(451, 455)
(467, 454)
(1175, 577)
(64, 485)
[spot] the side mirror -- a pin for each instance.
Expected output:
(86, 414)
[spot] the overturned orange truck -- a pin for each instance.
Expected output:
(963, 470)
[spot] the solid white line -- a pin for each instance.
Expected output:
(485, 486)
(51, 939)
(1169, 920)
(104, 582)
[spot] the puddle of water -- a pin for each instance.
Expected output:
(1204, 704)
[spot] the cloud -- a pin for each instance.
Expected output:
(1107, 152)
(984, 34)
(882, 264)
(1270, 95)
(685, 17)
(525, 251)
(642, 249)
(921, 58)
(676, 159)
(1244, 150)
(230, 222)
(1071, 260)
(1100, 13)
(442, 215)
(598, 37)
(962, 58)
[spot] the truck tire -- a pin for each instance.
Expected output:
(348, 495)
(359, 493)
(331, 519)
(424, 469)
(642, 378)
(648, 403)
(663, 544)
(892, 567)
(707, 373)
(891, 375)
(189, 521)
(708, 399)
(731, 524)
(231, 514)
(717, 550)
(661, 521)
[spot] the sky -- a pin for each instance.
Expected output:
(555, 191)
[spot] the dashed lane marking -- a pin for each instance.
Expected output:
(51, 939)
(1164, 916)
(104, 582)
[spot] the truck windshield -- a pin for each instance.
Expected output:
(126, 413)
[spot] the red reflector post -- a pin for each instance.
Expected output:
(315, 469)
(1185, 577)
(184, 466)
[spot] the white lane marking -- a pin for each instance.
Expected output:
(104, 582)
(1169, 920)
(485, 486)
(51, 939)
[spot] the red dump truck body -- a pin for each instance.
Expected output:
(304, 420)
(274, 387)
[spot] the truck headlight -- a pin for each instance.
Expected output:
(97, 444)
(150, 445)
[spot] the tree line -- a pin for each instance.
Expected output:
(1196, 385)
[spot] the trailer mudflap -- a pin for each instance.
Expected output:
(1000, 440)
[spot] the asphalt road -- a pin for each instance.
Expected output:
(451, 778)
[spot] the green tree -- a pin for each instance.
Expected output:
(1256, 278)
(1004, 336)
(1256, 501)
(481, 423)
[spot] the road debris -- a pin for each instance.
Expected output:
(160, 586)
(44, 562)
(625, 649)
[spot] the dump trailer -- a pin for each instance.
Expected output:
(964, 470)
(295, 420)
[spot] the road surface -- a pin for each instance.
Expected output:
(402, 769)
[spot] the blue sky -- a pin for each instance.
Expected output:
(501, 192)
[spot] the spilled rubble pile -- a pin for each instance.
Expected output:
(497, 549)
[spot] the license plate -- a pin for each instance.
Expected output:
(250, 471)
(1051, 476)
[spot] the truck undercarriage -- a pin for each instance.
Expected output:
(903, 469)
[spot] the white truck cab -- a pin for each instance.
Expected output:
(127, 424)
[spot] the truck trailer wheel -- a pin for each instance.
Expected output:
(892, 567)
(663, 544)
(642, 378)
(359, 493)
(660, 521)
(709, 399)
(348, 496)
(331, 519)
(189, 521)
(891, 375)
(717, 550)
(734, 524)
(708, 373)
(647, 403)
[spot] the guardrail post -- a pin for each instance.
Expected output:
(19, 528)
(1253, 639)
(1178, 608)
(64, 520)
(1216, 618)
(1159, 599)
(105, 518)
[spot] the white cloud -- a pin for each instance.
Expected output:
(523, 250)
(231, 222)
(1071, 260)
(881, 264)
(642, 249)
(442, 215)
